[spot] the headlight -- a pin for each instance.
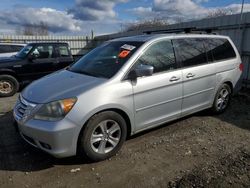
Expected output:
(56, 110)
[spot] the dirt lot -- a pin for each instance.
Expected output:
(198, 151)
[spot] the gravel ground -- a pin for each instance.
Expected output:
(6, 104)
(198, 151)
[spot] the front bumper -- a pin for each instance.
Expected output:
(56, 138)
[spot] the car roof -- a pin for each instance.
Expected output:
(34, 43)
(149, 37)
(13, 44)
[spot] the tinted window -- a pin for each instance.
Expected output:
(219, 49)
(9, 48)
(2, 49)
(107, 59)
(63, 51)
(190, 52)
(159, 55)
(43, 51)
(17, 48)
(5, 49)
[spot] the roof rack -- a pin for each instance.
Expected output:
(191, 30)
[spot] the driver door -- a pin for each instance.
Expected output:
(43, 61)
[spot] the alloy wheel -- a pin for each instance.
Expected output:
(105, 136)
(223, 98)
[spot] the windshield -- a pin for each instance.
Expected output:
(24, 51)
(106, 60)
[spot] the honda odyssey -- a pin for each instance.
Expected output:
(125, 86)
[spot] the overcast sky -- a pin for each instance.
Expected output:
(79, 17)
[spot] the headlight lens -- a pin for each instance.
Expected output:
(56, 110)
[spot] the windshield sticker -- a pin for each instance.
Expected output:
(124, 53)
(128, 47)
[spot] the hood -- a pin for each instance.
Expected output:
(60, 85)
(9, 59)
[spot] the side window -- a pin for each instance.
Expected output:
(63, 51)
(2, 49)
(219, 49)
(43, 51)
(9, 48)
(12, 48)
(190, 52)
(5, 49)
(17, 48)
(159, 55)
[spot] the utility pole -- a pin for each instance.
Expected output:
(241, 12)
(240, 26)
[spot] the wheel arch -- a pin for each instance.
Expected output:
(117, 110)
(230, 84)
(9, 72)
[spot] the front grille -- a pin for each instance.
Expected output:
(23, 108)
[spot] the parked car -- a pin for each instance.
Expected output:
(125, 86)
(10, 49)
(34, 61)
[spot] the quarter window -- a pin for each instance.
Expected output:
(159, 55)
(190, 52)
(219, 49)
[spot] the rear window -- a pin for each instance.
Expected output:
(219, 49)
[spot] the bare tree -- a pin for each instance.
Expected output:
(40, 29)
(143, 24)
(219, 12)
(28, 30)
(18, 31)
(179, 19)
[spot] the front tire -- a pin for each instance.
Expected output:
(222, 99)
(103, 136)
(8, 85)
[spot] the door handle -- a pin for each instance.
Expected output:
(190, 75)
(174, 78)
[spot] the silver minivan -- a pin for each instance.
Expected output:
(125, 86)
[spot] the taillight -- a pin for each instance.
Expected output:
(241, 67)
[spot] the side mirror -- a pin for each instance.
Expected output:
(140, 71)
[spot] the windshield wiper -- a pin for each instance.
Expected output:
(87, 73)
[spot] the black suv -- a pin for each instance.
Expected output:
(32, 62)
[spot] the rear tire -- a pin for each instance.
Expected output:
(222, 99)
(8, 85)
(103, 136)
